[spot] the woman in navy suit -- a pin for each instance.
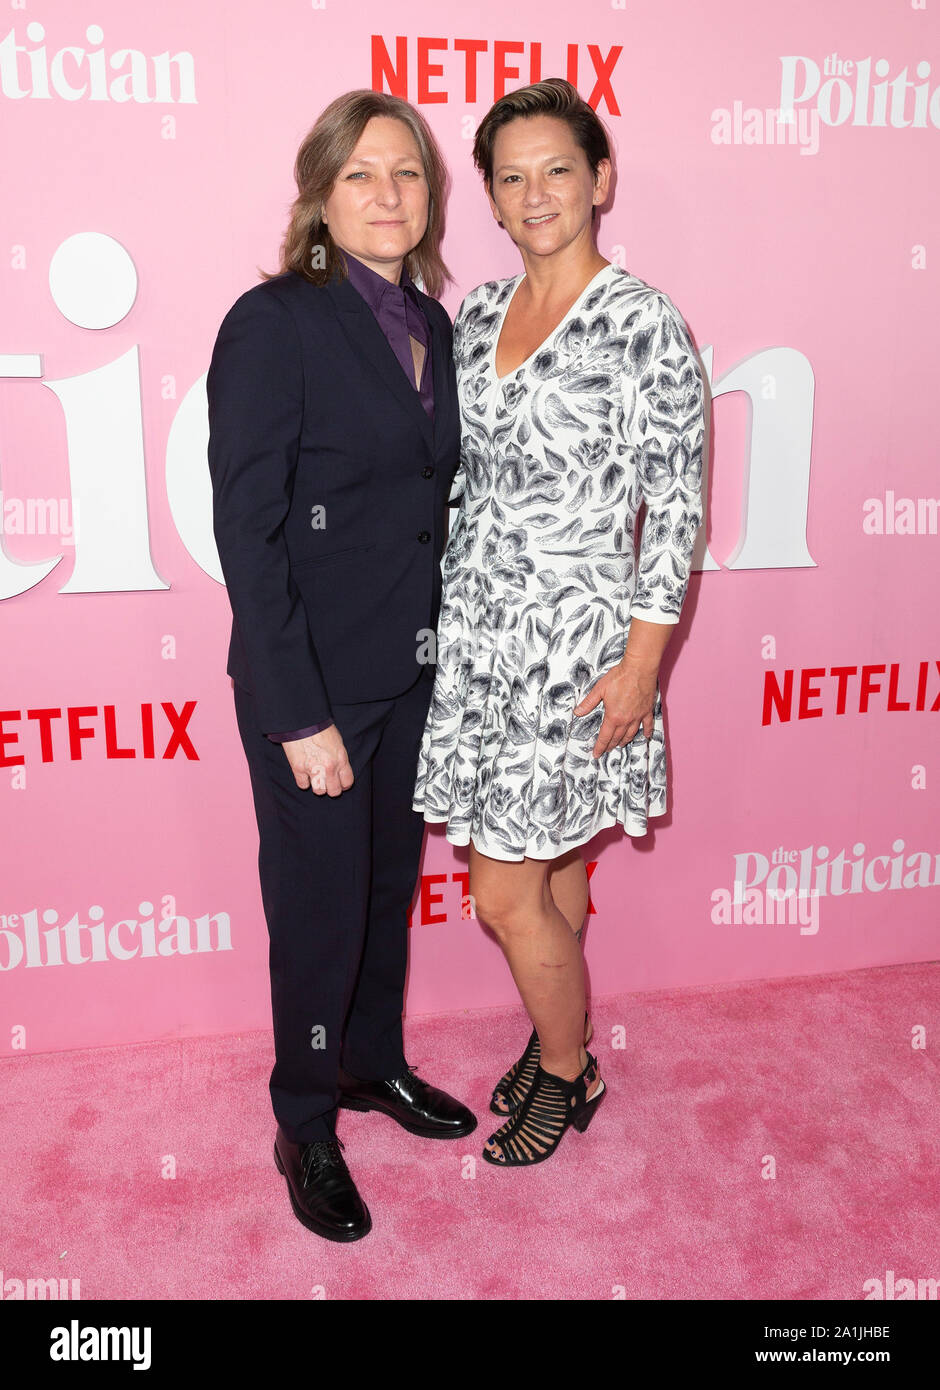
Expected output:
(334, 439)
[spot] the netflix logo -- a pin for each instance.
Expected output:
(145, 731)
(482, 70)
(817, 690)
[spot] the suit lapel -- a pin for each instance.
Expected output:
(369, 342)
(441, 382)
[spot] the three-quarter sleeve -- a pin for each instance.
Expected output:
(664, 414)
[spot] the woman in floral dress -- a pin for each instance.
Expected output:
(581, 396)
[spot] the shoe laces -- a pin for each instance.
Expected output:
(322, 1153)
(410, 1075)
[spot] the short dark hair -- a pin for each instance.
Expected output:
(551, 97)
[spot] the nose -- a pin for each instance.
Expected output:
(535, 192)
(388, 193)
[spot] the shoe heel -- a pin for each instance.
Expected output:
(584, 1118)
(277, 1160)
(350, 1103)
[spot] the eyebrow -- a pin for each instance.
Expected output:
(549, 159)
(367, 159)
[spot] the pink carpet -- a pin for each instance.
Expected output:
(663, 1198)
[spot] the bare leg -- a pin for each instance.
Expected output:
(568, 884)
(542, 951)
(567, 879)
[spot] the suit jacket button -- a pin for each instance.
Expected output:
(427, 472)
(424, 536)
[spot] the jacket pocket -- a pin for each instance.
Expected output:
(333, 555)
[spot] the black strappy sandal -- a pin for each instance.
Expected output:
(533, 1132)
(515, 1085)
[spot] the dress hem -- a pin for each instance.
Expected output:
(461, 838)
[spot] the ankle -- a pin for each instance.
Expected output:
(567, 1067)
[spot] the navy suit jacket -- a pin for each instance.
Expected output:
(309, 409)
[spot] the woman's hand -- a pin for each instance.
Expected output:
(319, 762)
(629, 693)
(629, 689)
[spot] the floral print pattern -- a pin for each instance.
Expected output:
(540, 571)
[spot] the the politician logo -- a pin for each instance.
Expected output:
(33, 69)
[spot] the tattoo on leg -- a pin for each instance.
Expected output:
(579, 931)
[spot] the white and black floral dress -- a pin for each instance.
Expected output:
(540, 572)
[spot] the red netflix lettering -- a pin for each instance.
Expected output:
(775, 698)
(180, 739)
(6, 738)
(110, 736)
(810, 692)
(427, 69)
(83, 732)
(428, 918)
(893, 702)
(146, 722)
(45, 718)
(501, 71)
(872, 695)
(843, 673)
(76, 731)
(868, 686)
(590, 873)
(391, 74)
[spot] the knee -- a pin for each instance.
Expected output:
(505, 917)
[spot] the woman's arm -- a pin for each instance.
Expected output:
(255, 389)
(671, 415)
(664, 404)
(669, 427)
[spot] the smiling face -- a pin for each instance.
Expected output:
(543, 189)
(378, 207)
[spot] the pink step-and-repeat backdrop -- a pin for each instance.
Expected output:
(777, 176)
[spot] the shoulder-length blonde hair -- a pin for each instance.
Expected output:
(324, 151)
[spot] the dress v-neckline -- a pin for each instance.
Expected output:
(499, 332)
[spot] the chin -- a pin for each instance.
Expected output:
(547, 235)
(392, 245)
(544, 245)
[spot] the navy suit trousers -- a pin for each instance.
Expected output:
(337, 878)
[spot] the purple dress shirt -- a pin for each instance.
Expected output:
(400, 316)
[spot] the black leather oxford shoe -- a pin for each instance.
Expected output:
(417, 1106)
(321, 1188)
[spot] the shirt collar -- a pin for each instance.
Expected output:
(373, 286)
